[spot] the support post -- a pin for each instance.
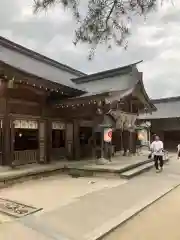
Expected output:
(102, 142)
(7, 128)
(42, 142)
(131, 134)
(8, 141)
(121, 140)
(76, 140)
(48, 141)
(69, 140)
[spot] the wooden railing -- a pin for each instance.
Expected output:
(25, 157)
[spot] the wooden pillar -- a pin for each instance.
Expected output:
(8, 141)
(76, 140)
(116, 140)
(42, 141)
(93, 142)
(121, 139)
(102, 143)
(131, 133)
(125, 137)
(1, 142)
(48, 141)
(130, 142)
(43, 128)
(69, 140)
(134, 137)
(7, 127)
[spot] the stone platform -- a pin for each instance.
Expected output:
(116, 167)
(82, 168)
(119, 164)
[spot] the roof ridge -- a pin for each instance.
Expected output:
(31, 53)
(167, 99)
(109, 72)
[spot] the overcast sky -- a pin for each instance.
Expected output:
(156, 41)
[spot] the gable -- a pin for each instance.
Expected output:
(115, 83)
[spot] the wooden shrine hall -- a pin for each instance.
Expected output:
(49, 111)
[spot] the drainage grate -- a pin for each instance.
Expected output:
(16, 209)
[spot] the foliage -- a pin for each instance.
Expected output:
(106, 21)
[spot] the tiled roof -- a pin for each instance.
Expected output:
(34, 63)
(113, 80)
(121, 94)
(105, 74)
(166, 108)
(38, 56)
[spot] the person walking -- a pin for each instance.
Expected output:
(157, 150)
(178, 151)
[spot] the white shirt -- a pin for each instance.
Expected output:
(157, 148)
(178, 147)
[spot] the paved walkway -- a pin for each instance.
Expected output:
(160, 221)
(93, 214)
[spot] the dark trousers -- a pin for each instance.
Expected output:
(158, 161)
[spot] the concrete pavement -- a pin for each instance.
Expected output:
(94, 214)
(159, 221)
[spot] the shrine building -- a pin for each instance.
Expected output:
(50, 111)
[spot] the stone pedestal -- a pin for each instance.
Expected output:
(101, 161)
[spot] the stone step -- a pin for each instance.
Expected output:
(104, 172)
(136, 171)
(90, 169)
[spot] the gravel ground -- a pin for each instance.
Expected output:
(159, 221)
(52, 192)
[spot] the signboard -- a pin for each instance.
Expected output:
(108, 135)
(26, 124)
(58, 125)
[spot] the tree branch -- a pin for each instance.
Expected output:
(105, 21)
